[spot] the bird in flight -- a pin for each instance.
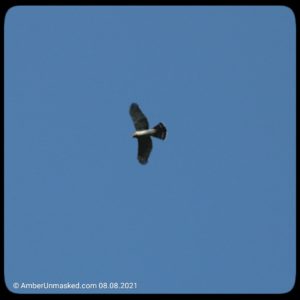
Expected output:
(143, 133)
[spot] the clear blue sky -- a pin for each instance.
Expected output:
(214, 209)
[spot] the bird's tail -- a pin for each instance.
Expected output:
(160, 131)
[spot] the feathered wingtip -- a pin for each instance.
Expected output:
(160, 131)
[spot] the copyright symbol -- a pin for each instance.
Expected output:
(15, 285)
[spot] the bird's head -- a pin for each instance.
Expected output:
(134, 135)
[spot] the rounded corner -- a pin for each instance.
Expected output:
(290, 285)
(9, 289)
(10, 12)
(290, 10)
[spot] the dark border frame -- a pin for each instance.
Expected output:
(5, 5)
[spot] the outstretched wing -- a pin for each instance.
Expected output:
(139, 119)
(144, 150)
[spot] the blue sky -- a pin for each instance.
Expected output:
(213, 211)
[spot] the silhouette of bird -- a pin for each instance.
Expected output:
(144, 134)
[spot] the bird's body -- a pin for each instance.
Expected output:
(143, 133)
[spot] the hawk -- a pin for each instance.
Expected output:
(143, 133)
